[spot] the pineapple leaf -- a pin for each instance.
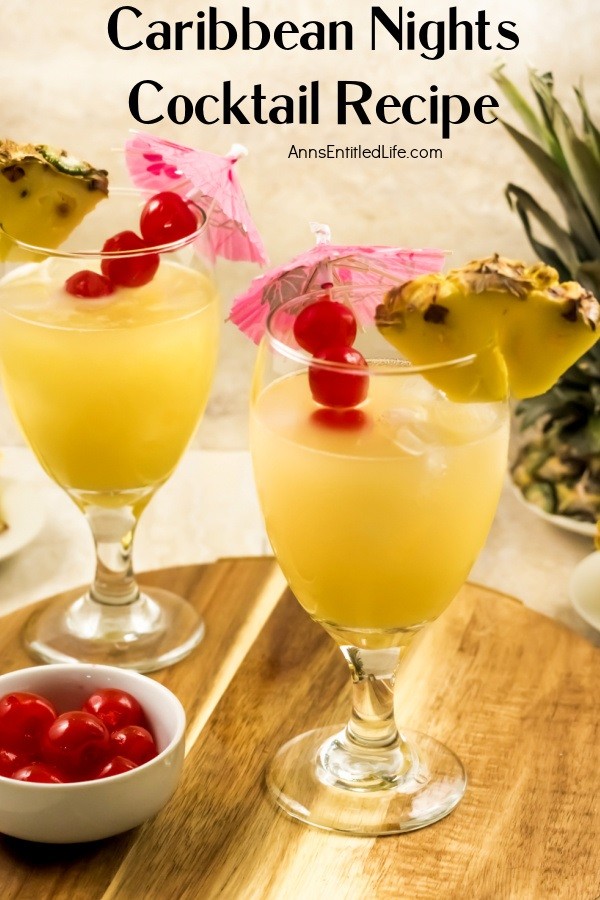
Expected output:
(588, 274)
(584, 167)
(566, 259)
(576, 396)
(590, 130)
(577, 215)
(543, 88)
(522, 107)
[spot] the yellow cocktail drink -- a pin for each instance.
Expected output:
(377, 514)
(108, 343)
(379, 436)
(108, 392)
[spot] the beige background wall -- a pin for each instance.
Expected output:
(64, 83)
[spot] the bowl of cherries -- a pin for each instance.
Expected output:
(86, 751)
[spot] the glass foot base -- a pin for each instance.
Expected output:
(431, 785)
(154, 631)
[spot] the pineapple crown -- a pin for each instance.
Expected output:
(568, 159)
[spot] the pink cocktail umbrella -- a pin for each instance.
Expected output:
(210, 181)
(327, 264)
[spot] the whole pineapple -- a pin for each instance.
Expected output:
(558, 464)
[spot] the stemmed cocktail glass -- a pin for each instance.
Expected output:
(376, 512)
(108, 391)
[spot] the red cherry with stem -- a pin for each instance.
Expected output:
(114, 707)
(78, 743)
(39, 772)
(88, 285)
(325, 323)
(342, 387)
(134, 743)
(128, 271)
(116, 766)
(24, 719)
(166, 218)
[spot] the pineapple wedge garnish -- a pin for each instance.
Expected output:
(526, 326)
(44, 194)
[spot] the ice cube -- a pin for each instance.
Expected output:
(408, 440)
(464, 422)
(407, 415)
(410, 428)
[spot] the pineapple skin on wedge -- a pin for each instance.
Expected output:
(44, 194)
(526, 327)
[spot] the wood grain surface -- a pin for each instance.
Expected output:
(512, 692)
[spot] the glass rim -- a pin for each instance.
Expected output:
(377, 365)
(59, 253)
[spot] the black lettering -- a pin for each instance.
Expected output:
(407, 109)
(200, 31)
(410, 30)
(447, 120)
(485, 102)
(433, 105)
(199, 109)
(213, 29)
(313, 40)
(482, 24)
(134, 102)
(113, 28)
(333, 29)
(357, 105)
(160, 39)
(438, 45)
(180, 27)
(509, 34)
(284, 113)
(280, 32)
(257, 98)
(247, 24)
(454, 25)
(382, 105)
(231, 109)
(172, 108)
(378, 15)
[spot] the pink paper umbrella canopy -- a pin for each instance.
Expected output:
(327, 264)
(206, 178)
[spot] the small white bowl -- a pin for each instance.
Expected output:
(584, 589)
(90, 810)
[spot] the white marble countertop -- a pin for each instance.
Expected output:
(209, 509)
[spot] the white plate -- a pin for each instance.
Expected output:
(22, 509)
(566, 522)
(584, 589)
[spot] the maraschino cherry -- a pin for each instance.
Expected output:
(340, 388)
(325, 323)
(166, 218)
(327, 329)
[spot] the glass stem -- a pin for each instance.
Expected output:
(369, 754)
(113, 530)
(372, 723)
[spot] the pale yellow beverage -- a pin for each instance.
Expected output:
(108, 392)
(377, 520)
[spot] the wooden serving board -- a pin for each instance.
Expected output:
(515, 694)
